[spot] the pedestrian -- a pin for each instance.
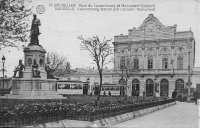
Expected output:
(104, 93)
(196, 96)
(174, 94)
(109, 93)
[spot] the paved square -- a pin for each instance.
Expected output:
(181, 115)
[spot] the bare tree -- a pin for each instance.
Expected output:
(13, 22)
(99, 51)
(58, 63)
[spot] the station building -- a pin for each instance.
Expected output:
(152, 59)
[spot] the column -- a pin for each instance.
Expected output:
(129, 87)
(142, 87)
(171, 87)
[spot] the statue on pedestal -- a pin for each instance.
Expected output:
(19, 69)
(35, 70)
(35, 30)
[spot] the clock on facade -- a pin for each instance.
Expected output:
(150, 25)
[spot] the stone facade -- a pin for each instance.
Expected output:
(154, 53)
(154, 60)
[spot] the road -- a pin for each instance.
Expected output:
(181, 115)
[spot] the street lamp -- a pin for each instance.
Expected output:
(6, 80)
(88, 81)
(3, 61)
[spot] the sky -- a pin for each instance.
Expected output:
(60, 28)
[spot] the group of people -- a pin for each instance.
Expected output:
(109, 93)
(196, 95)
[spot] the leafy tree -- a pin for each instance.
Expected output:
(99, 52)
(58, 63)
(13, 22)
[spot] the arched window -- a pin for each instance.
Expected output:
(179, 85)
(164, 87)
(135, 87)
(149, 87)
(122, 83)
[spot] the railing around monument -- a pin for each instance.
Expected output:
(41, 117)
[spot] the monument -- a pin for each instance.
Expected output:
(32, 82)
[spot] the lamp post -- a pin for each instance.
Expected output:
(88, 81)
(3, 61)
(6, 80)
(154, 89)
(189, 79)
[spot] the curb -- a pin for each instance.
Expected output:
(128, 116)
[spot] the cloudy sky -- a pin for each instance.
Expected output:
(60, 28)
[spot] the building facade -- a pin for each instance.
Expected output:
(152, 59)
(155, 59)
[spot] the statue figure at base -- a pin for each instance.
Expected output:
(35, 30)
(35, 70)
(49, 71)
(19, 69)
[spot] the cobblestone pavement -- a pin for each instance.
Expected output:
(181, 115)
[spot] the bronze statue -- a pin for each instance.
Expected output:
(35, 70)
(49, 71)
(19, 69)
(35, 30)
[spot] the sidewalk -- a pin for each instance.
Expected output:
(182, 115)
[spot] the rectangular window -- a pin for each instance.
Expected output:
(150, 63)
(67, 86)
(180, 63)
(80, 86)
(164, 63)
(122, 62)
(136, 63)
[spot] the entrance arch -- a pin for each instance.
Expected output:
(135, 87)
(179, 85)
(164, 87)
(149, 87)
(122, 84)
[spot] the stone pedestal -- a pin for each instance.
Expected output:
(29, 87)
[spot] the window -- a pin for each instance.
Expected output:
(180, 63)
(122, 62)
(135, 87)
(136, 63)
(149, 87)
(67, 86)
(150, 63)
(74, 86)
(164, 63)
(80, 86)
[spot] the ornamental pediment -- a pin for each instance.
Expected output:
(151, 23)
(152, 28)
